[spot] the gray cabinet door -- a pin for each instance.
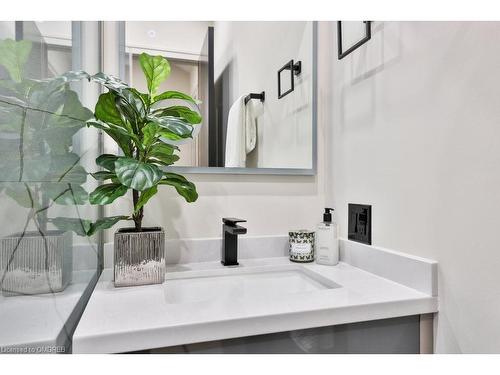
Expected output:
(387, 336)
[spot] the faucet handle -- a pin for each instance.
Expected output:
(232, 221)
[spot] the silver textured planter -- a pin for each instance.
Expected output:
(35, 264)
(139, 257)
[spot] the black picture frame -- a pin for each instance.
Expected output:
(367, 37)
(295, 69)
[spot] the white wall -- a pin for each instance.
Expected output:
(252, 53)
(416, 133)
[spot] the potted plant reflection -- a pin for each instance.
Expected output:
(38, 170)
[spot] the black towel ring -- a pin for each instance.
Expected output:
(261, 97)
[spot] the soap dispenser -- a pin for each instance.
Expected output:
(327, 241)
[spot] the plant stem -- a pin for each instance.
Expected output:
(139, 215)
(21, 145)
(135, 195)
(41, 215)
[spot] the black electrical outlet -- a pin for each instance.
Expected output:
(360, 223)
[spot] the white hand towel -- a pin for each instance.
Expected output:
(235, 136)
(250, 126)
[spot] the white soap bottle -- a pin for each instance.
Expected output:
(327, 241)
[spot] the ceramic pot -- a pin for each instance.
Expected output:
(139, 257)
(36, 264)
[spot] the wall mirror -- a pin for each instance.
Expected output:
(234, 69)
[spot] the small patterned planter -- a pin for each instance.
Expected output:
(301, 246)
(32, 264)
(139, 257)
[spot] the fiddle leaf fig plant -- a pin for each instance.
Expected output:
(145, 130)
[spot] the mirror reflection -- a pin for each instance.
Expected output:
(235, 70)
(47, 263)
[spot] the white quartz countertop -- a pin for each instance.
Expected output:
(136, 318)
(38, 321)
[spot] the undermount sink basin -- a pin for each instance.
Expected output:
(248, 283)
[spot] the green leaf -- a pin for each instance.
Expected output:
(163, 153)
(65, 194)
(167, 135)
(73, 112)
(65, 167)
(76, 196)
(115, 128)
(122, 136)
(13, 56)
(22, 193)
(131, 108)
(79, 226)
(183, 112)
(149, 134)
(175, 176)
(184, 187)
(103, 175)
(156, 69)
(11, 87)
(164, 159)
(164, 148)
(35, 168)
(133, 100)
(145, 97)
(105, 223)
(84, 227)
(110, 82)
(173, 128)
(107, 161)
(106, 109)
(135, 174)
(121, 103)
(76, 175)
(145, 196)
(74, 75)
(174, 95)
(122, 141)
(57, 82)
(62, 110)
(107, 193)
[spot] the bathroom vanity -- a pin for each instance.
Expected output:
(374, 301)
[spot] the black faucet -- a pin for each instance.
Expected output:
(230, 231)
